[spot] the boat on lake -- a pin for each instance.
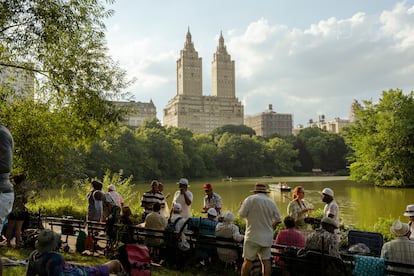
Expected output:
(283, 187)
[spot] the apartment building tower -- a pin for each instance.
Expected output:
(190, 108)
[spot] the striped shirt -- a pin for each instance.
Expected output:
(149, 198)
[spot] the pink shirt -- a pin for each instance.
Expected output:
(289, 237)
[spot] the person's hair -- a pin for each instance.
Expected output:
(289, 222)
(156, 207)
(97, 185)
(296, 191)
(19, 178)
(126, 211)
(154, 182)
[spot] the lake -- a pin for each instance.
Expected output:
(360, 204)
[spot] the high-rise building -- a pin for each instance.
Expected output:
(190, 108)
(270, 122)
(137, 112)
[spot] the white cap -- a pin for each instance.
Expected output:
(212, 212)
(183, 181)
(328, 191)
(111, 187)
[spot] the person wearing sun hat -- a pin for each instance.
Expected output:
(401, 249)
(184, 197)
(261, 214)
(45, 260)
(324, 239)
(409, 212)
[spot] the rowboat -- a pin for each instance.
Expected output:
(280, 187)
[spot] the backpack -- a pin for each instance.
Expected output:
(136, 260)
(81, 241)
(170, 234)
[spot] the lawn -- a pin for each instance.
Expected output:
(22, 254)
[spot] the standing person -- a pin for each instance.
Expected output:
(409, 212)
(261, 213)
(184, 197)
(331, 208)
(95, 203)
(299, 208)
(401, 249)
(119, 201)
(19, 212)
(6, 188)
(165, 210)
(211, 199)
(151, 197)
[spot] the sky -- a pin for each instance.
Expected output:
(306, 58)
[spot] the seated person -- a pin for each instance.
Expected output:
(289, 236)
(205, 227)
(155, 220)
(126, 231)
(324, 236)
(46, 261)
(227, 229)
(400, 249)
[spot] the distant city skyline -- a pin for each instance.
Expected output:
(306, 58)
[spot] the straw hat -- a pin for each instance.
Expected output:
(399, 229)
(47, 241)
(260, 188)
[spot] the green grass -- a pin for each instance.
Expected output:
(22, 254)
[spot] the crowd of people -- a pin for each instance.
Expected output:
(259, 211)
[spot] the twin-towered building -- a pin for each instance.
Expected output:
(190, 108)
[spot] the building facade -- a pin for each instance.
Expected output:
(270, 122)
(136, 112)
(190, 108)
(17, 82)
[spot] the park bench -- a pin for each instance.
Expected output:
(296, 262)
(68, 226)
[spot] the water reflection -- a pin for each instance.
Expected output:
(360, 204)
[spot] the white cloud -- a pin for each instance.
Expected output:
(318, 69)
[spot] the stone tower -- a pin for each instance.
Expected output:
(189, 70)
(223, 72)
(189, 108)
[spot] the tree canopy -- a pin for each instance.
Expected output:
(382, 139)
(62, 43)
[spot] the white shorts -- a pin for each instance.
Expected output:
(252, 250)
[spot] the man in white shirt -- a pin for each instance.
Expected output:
(261, 214)
(331, 209)
(184, 197)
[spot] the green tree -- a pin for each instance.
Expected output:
(240, 155)
(63, 44)
(280, 157)
(382, 139)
